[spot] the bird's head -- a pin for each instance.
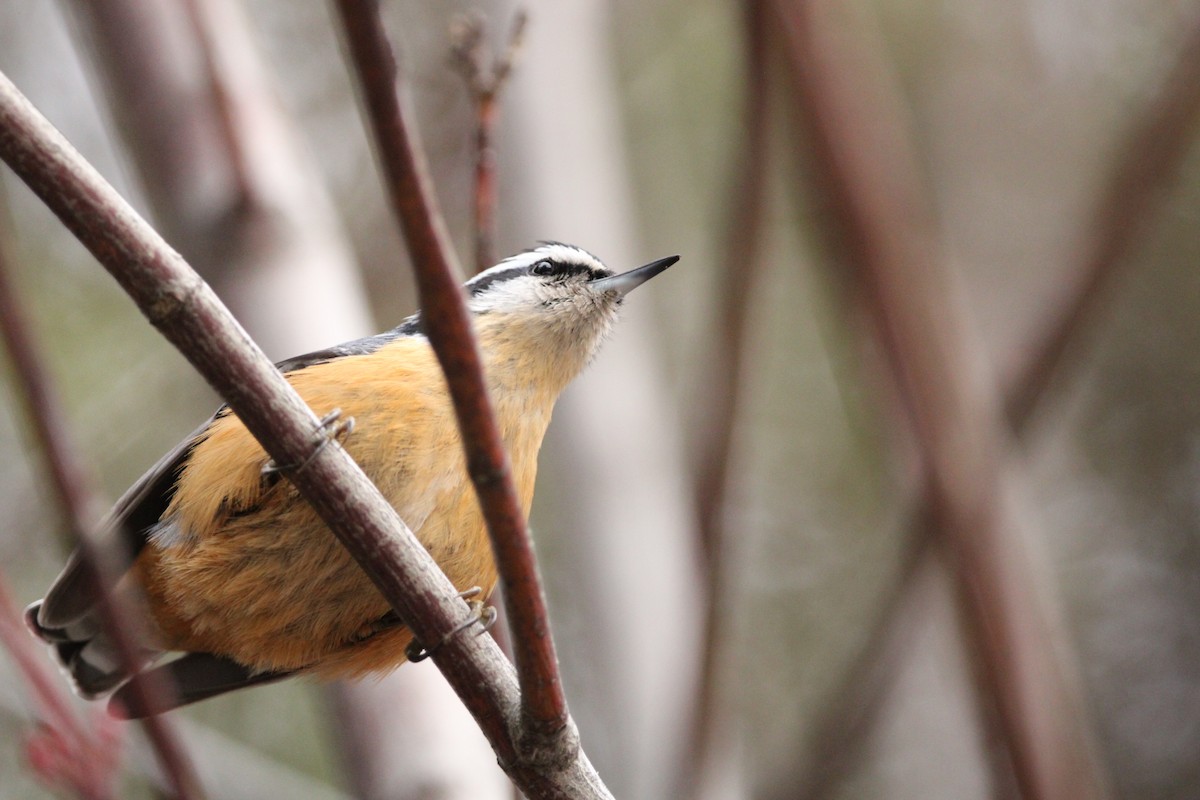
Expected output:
(554, 303)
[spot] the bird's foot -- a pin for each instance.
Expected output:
(331, 428)
(481, 614)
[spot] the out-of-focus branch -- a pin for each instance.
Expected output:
(1147, 162)
(880, 229)
(65, 752)
(723, 378)
(185, 310)
(81, 508)
(485, 77)
(230, 182)
(546, 721)
(859, 696)
(257, 221)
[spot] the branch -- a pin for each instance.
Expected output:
(546, 721)
(723, 379)
(65, 752)
(185, 310)
(485, 77)
(80, 506)
(1148, 161)
(867, 177)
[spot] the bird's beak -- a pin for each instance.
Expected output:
(626, 282)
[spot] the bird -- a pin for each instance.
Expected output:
(239, 581)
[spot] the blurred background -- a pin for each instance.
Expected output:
(743, 605)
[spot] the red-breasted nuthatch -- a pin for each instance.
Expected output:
(236, 571)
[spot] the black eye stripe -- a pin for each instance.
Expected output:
(561, 269)
(546, 267)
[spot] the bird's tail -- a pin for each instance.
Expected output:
(86, 652)
(91, 659)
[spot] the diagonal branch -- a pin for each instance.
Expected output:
(1147, 164)
(866, 175)
(742, 263)
(67, 752)
(444, 312)
(81, 507)
(485, 78)
(185, 310)
(1148, 161)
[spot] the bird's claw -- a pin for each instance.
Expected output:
(331, 427)
(481, 614)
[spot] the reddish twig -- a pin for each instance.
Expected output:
(229, 114)
(81, 507)
(65, 752)
(444, 312)
(1149, 158)
(741, 260)
(868, 179)
(185, 310)
(485, 77)
(865, 685)
(1147, 162)
(860, 695)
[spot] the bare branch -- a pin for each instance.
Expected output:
(65, 752)
(741, 262)
(543, 704)
(188, 314)
(1148, 161)
(485, 77)
(81, 508)
(880, 229)
(1147, 164)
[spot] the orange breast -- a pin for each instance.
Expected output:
(251, 572)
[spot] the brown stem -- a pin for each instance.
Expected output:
(722, 380)
(487, 112)
(85, 758)
(543, 704)
(881, 231)
(229, 116)
(81, 507)
(185, 310)
(1148, 161)
(1147, 164)
(484, 82)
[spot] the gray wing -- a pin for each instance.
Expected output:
(66, 617)
(127, 526)
(123, 533)
(195, 676)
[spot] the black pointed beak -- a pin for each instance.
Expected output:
(626, 282)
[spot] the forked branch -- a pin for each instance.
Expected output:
(484, 77)
(880, 230)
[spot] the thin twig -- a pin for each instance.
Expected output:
(65, 752)
(543, 704)
(723, 380)
(228, 111)
(484, 77)
(863, 169)
(1148, 162)
(81, 507)
(185, 310)
(1147, 165)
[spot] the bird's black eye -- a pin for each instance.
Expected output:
(543, 268)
